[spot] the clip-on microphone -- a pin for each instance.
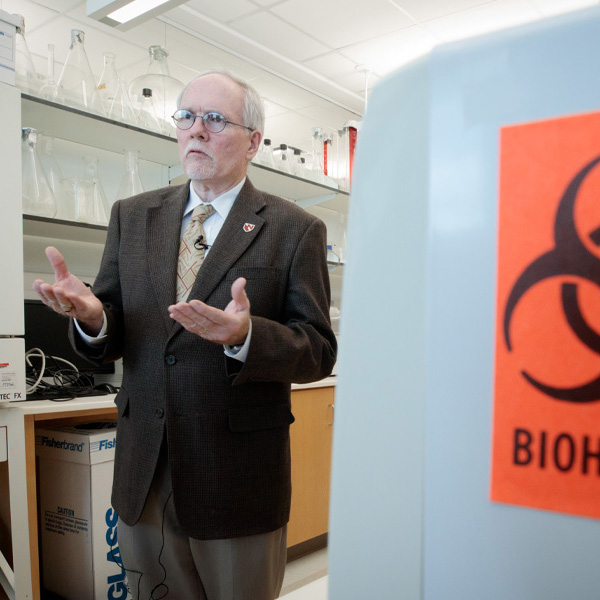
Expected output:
(199, 244)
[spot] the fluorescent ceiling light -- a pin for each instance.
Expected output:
(134, 9)
(125, 14)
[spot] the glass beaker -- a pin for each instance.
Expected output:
(25, 74)
(100, 208)
(50, 91)
(38, 198)
(131, 184)
(165, 89)
(76, 81)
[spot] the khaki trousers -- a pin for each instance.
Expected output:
(163, 562)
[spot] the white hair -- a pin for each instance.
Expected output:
(253, 113)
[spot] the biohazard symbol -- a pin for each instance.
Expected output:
(568, 257)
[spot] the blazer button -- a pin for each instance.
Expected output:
(160, 413)
(170, 360)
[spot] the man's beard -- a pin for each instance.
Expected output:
(204, 170)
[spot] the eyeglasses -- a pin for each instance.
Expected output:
(213, 121)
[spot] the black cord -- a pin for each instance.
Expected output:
(162, 583)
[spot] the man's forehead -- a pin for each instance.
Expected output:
(212, 88)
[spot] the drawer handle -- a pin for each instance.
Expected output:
(332, 414)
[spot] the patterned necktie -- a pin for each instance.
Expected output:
(190, 256)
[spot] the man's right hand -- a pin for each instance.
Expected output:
(69, 296)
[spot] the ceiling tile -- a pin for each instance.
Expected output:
(483, 19)
(222, 11)
(554, 7)
(34, 15)
(386, 53)
(433, 9)
(332, 65)
(277, 35)
(282, 93)
(337, 25)
(273, 110)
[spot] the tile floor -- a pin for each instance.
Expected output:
(306, 578)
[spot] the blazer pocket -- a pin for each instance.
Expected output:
(254, 273)
(122, 402)
(258, 418)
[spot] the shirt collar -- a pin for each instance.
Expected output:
(222, 204)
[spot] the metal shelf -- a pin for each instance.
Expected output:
(92, 130)
(64, 230)
(303, 192)
(99, 132)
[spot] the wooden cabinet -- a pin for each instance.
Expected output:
(311, 437)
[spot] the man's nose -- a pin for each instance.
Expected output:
(198, 129)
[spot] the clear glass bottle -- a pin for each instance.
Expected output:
(131, 184)
(317, 150)
(108, 84)
(281, 161)
(76, 81)
(147, 118)
(297, 163)
(265, 156)
(38, 198)
(100, 210)
(25, 74)
(165, 89)
(50, 90)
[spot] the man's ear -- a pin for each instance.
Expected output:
(255, 139)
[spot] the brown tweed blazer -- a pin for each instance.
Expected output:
(227, 423)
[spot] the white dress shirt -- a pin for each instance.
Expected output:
(212, 226)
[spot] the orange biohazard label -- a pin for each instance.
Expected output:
(546, 427)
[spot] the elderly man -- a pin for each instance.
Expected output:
(217, 296)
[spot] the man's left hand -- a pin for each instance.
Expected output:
(228, 327)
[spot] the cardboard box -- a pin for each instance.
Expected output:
(79, 545)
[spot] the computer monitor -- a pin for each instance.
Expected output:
(47, 330)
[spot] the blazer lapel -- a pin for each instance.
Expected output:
(239, 230)
(163, 230)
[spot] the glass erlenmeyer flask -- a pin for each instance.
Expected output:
(120, 108)
(165, 89)
(76, 81)
(100, 208)
(108, 83)
(49, 91)
(38, 198)
(50, 165)
(25, 73)
(77, 194)
(131, 184)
